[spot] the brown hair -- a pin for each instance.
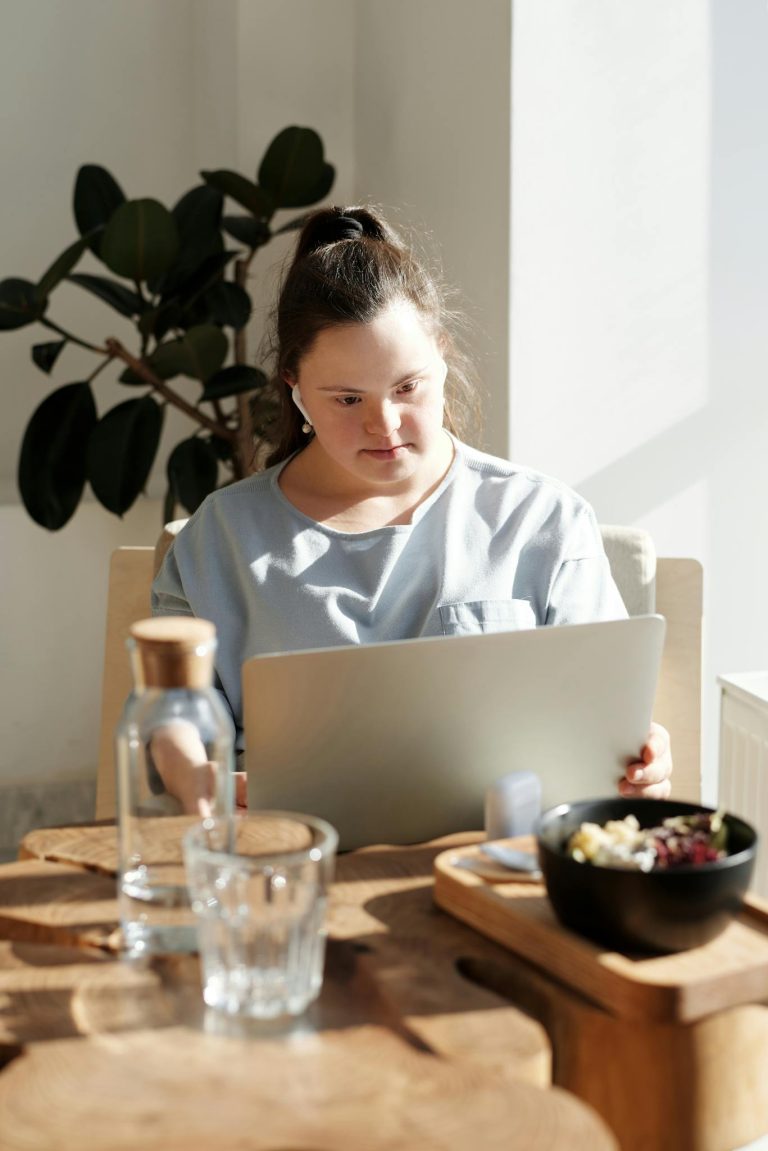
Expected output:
(349, 265)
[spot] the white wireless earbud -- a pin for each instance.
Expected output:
(296, 397)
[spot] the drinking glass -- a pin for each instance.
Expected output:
(260, 911)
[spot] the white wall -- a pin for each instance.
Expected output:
(610, 213)
(731, 447)
(53, 588)
(639, 241)
(433, 146)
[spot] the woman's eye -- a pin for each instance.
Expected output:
(409, 387)
(348, 401)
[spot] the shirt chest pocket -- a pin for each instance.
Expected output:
(486, 615)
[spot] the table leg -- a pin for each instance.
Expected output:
(698, 1086)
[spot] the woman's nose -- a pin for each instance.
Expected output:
(382, 419)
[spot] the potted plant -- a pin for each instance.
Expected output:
(180, 276)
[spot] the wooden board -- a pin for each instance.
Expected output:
(731, 970)
(57, 992)
(43, 902)
(95, 846)
(356, 1087)
(90, 846)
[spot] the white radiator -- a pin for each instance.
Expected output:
(743, 761)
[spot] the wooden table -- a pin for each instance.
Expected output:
(672, 1050)
(402, 1052)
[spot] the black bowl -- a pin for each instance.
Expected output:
(662, 910)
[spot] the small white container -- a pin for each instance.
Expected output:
(512, 805)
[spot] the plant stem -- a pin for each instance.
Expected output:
(96, 371)
(73, 339)
(116, 349)
(244, 453)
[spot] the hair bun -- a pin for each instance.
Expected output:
(334, 228)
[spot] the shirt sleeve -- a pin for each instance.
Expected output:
(168, 595)
(169, 598)
(583, 590)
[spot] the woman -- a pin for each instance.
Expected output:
(375, 521)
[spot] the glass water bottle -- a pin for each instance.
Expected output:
(175, 764)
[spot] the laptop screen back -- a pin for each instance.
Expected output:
(398, 742)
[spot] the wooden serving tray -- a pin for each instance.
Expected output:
(730, 970)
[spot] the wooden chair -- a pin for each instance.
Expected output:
(673, 587)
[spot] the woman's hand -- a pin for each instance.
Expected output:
(241, 789)
(648, 776)
(179, 755)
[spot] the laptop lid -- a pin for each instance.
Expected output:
(398, 742)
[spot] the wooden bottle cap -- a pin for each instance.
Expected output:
(174, 651)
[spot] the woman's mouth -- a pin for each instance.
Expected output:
(389, 453)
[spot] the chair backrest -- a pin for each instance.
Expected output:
(673, 587)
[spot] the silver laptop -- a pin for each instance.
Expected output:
(398, 742)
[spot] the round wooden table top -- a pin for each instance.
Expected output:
(401, 1051)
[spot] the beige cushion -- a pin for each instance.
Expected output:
(165, 539)
(632, 557)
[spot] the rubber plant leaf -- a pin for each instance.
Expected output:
(19, 304)
(208, 272)
(233, 380)
(250, 196)
(52, 464)
(228, 304)
(193, 472)
(61, 267)
(207, 348)
(249, 231)
(97, 197)
(198, 353)
(112, 292)
(293, 170)
(121, 451)
(198, 218)
(140, 241)
(46, 355)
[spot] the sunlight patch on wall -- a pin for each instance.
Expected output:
(609, 228)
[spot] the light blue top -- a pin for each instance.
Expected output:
(495, 547)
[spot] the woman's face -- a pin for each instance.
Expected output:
(374, 394)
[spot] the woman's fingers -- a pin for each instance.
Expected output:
(660, 790)
(241, 789)
(648, 777)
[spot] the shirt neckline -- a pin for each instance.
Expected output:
(385, 529)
